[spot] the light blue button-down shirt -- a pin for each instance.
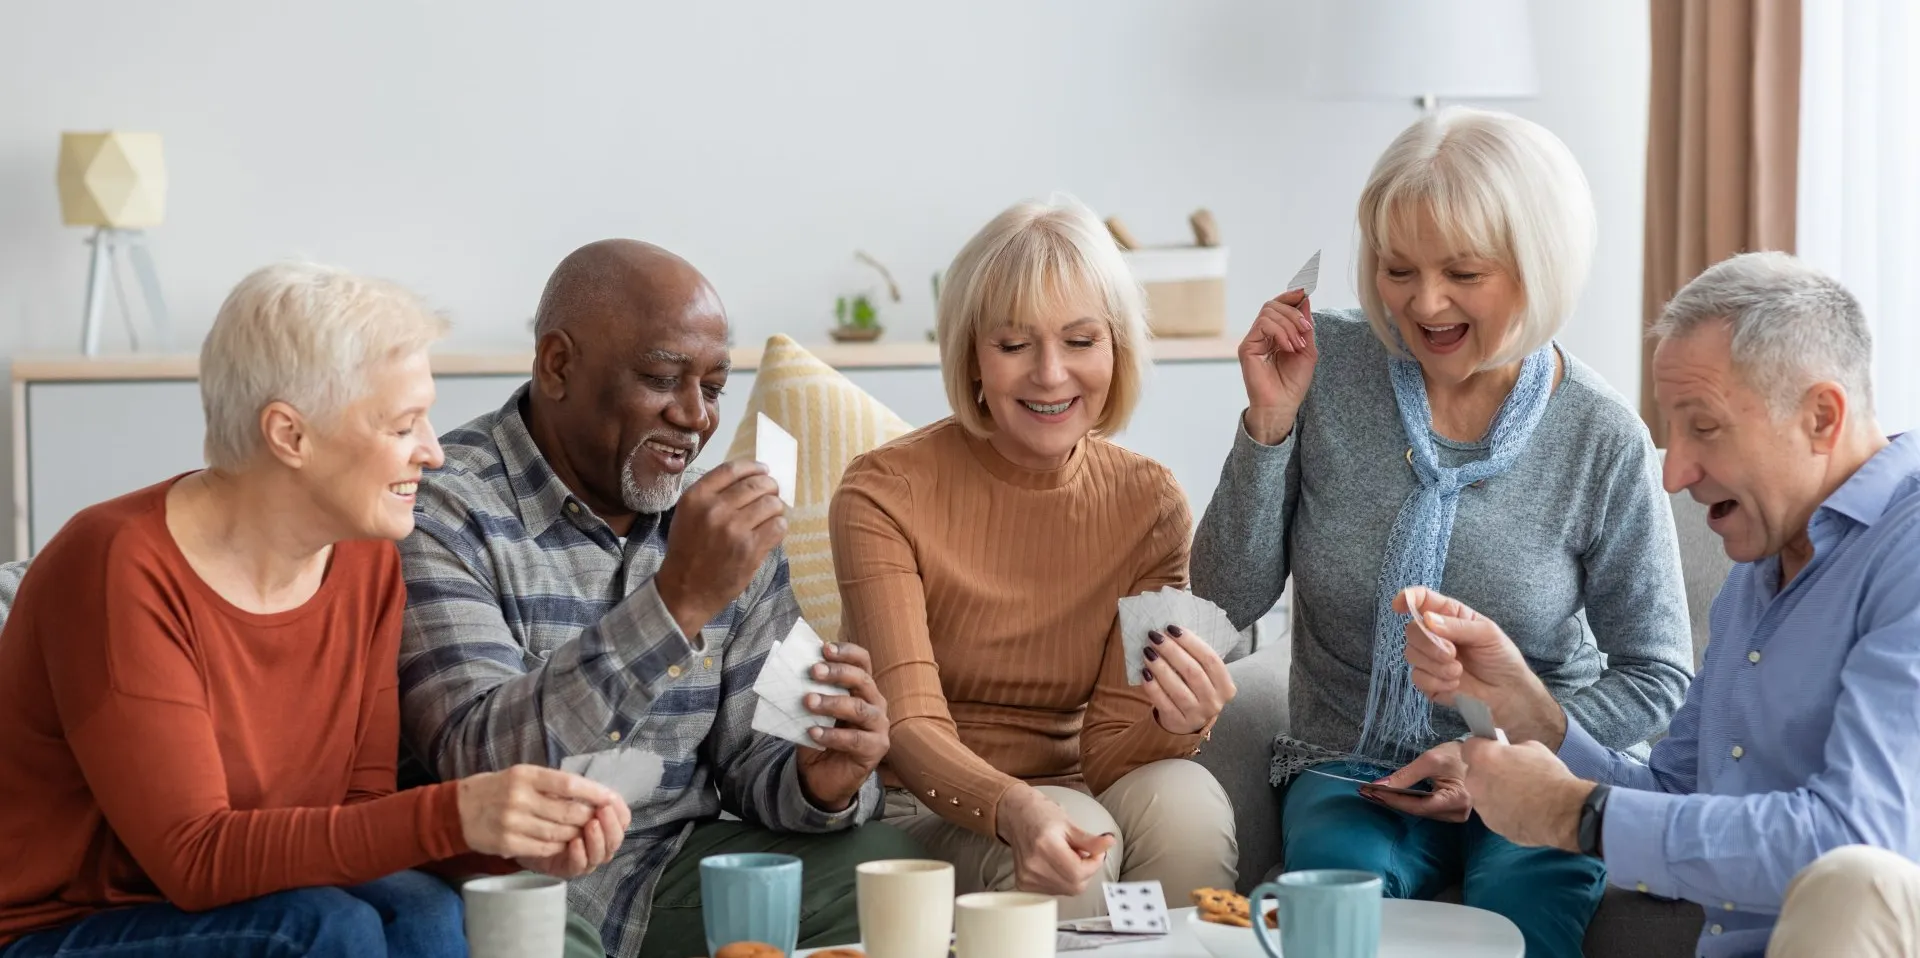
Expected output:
(1802, 731)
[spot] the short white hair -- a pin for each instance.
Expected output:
(1498, 187)
(1792, 324)
(303, 334)
(1032, 257)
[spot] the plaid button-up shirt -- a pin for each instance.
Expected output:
(534, 633)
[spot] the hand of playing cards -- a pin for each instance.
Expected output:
(632, 772)
(783, 686)
(1155, 611)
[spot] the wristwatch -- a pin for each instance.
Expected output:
(1591, 812)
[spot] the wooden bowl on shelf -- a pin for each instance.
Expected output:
(855, 334)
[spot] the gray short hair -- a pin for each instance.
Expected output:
(1793, 326)
(303, 334)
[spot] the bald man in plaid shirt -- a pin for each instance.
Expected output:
(573, 590)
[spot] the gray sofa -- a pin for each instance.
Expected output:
(1627, 924)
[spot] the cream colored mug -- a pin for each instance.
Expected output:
(1005, 924)
(906, 908)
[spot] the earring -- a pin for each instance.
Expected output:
(979, 394)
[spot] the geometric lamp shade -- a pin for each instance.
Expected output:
(116, 180)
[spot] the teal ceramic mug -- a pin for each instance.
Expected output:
(750, 898)
(1322, 914)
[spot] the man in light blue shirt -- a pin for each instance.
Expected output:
(1799, 736)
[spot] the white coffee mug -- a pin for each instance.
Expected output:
(515, 916)
(906, 908)
(1005, 924)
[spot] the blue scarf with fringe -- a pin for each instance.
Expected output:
(1399, 721)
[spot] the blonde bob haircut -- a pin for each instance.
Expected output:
(306, 335)
(1030, 260)
(1498, 187)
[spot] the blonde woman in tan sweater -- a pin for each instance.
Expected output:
(980, 561)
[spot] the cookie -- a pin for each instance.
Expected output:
(749, 949)
(840, 953)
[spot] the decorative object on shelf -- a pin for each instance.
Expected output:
(1121, 235)
(1186, 286)
(932, 336)
(855, 317)
(1205, 231)
(116, 182)
(1422, 51)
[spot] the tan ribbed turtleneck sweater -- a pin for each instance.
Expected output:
(987, 594)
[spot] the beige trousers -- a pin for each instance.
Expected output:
(1855, 901)
(1172, 820)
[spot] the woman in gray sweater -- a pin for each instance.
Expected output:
(1441, 438)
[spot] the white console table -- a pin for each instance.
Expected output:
(88, 429)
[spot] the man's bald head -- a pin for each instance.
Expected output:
(629, 362)
(619, 281)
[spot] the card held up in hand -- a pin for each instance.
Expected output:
(780, 452)
(1309, 276)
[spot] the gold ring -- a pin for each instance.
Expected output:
(1409, 457)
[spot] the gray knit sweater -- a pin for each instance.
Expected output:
(1579, 524)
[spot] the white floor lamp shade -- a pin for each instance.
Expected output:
(1424, 50)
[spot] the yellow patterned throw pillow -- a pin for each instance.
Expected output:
(834, 421)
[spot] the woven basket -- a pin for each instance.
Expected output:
(1186, 288)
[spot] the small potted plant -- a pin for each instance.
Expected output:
(856, 318)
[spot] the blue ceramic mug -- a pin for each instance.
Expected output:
(750, 898)
(1322, 914)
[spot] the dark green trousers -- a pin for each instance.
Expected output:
(828, 912)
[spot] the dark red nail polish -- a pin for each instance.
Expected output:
(1174, 631)
(1146, 674)
(1151, 654)
(1157, 638)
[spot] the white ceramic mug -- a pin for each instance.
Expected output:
(515, 916)
(906, 908)
(1005, 924)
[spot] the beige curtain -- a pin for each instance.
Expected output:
(1722, 144)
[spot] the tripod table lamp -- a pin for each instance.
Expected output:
(116, 182)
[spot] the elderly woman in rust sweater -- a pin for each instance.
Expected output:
(981, 560)
(199, 701)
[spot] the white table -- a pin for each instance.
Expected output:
(1409, 929)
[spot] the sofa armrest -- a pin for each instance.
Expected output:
(1241, 751)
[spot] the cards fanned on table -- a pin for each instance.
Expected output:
(1309, 276)
(781, 453)
(783, 686)
(632, 772)
(1154, 611)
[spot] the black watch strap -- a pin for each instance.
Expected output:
(1592, 813)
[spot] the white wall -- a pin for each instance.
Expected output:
(465, 147)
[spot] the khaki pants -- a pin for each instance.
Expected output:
(1172, 820)
(1855, 901)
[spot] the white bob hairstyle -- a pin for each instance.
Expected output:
(1498, 187)
(1032, 258)
(303, 334)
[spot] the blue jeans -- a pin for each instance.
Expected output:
(1550, 894)
(409, 914)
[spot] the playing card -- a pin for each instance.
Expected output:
(781, 453)
(1138, 908)
(1479, 717)
(632, 772)
(1156, 611)
(1308, 277)
(1361, 781)
(784, 683)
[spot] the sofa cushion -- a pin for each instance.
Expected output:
(834, 421)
